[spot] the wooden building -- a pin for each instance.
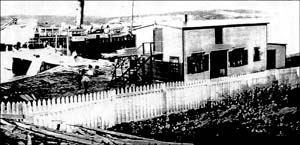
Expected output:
(214, 48)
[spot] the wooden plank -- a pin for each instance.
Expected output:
(77, 139)
(155, 142)
(12, 131)
(131, 138)
(33, 97)
(126, 140)
(24, 97)
(12, 116)
(101, 138)
(117, 134)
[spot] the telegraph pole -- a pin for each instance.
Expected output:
(68, 49)
(56, 40)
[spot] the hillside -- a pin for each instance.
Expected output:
(193, 15)
(263, 110)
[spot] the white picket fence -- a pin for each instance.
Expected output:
(107, 108)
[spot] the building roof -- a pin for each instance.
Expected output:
(215, 23)
(143, 26)
(219, 47)
(281, 44)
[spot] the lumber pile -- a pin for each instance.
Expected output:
(19, 132)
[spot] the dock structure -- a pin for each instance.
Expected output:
(141, 66)
(132, 66)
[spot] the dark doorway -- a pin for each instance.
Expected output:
(20, 66)
(174, 68)
(218, 63)
(271, 59)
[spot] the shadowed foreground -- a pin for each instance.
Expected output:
(269, 110)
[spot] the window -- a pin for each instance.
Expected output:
(174, 59)
(256, 56)
(218, 35)
(174, 66)
(197, 62)
(238, 57)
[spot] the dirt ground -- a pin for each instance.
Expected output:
(53, 84)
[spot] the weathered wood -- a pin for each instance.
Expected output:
(11, 131)
(78, 139)
(116, 134)
(12, 116)
(90, 136)
(99, 138)
(155, 142)
(25, 97)
(122, 137)
(14, 132)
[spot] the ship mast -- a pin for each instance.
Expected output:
(132, 16)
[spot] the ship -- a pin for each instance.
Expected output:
(92, 43)
(87, 41)
(30, 62)
(107, 39)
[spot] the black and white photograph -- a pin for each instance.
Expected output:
(122, 72)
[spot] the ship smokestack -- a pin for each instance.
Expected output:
(185, 19)
(80, 10)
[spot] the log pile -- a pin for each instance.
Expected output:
(13, 132)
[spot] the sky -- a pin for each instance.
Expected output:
(284, 24)
(122, 7)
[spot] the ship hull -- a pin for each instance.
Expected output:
(93, 48)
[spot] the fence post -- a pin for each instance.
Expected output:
(53, 105)
(2, 108)
(34, 107)
(29, 106)
(39, 106)
(165, 101)
(18, 108)
(147, 105)
(13, 108)
(24, 108)
(58, 104)
(112, 103)
(44, 105)
(136, 108)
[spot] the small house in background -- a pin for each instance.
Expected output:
(276, 55)
(214, 48)
(293, 60)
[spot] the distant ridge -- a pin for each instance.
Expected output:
(195, 15)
